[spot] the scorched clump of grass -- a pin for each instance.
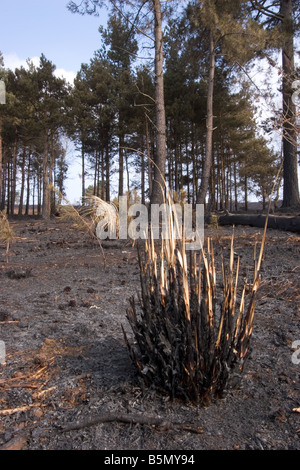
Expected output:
(188, 342)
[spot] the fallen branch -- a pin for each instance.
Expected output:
(9, 321)
(159, 423)
(17, 443)
(20, 409)
(9, 386)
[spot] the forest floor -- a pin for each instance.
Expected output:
(61, 311)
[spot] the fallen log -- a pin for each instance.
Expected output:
(279, 222)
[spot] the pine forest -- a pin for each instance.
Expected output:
(204, 127)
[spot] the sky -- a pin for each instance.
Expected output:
(30, 28)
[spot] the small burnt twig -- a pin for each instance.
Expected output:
(159, 423)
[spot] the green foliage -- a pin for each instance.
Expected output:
(33, 117)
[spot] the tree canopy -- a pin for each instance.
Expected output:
(165, 98)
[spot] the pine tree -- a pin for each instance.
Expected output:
(51, 97)
(80, 118)
(185, 108)
(3, 90)
(122, 47)
(34, 115)
(221, 28)
(280, 17)
(93, 120)
(90, 7)
(143, 136)
(19, 128)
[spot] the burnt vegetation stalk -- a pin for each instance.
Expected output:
(191, 341)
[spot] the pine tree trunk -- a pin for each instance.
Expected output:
(8, 186)
(235, 187)
(52, 194)
(246, 193)
(121, 168)
(82, 174)
(102, 174)
(33, 195)
(4, 184)
(157, 195)
(127, 173)
(22, 183)
(194, 191)
(209, 126)
(98, 173)
(290, 166)
(13, 178)
(39, 191)
(143, 173)
(1, 167)
(28, 187)
(147, 137)
(46, 208)
(107, 172)
(95, 188)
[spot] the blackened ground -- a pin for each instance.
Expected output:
(61, 311)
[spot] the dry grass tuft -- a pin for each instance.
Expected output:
(6, 232)
(89, 215)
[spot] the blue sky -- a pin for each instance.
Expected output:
(29, 28)
(32, 27)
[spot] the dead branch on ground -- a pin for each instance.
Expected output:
(159, 423)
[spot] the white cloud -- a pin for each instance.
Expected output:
(12, 61)
(62, 73)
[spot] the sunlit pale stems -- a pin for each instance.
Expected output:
(6, 232)
(188, 341)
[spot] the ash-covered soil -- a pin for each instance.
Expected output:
(61, 311)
